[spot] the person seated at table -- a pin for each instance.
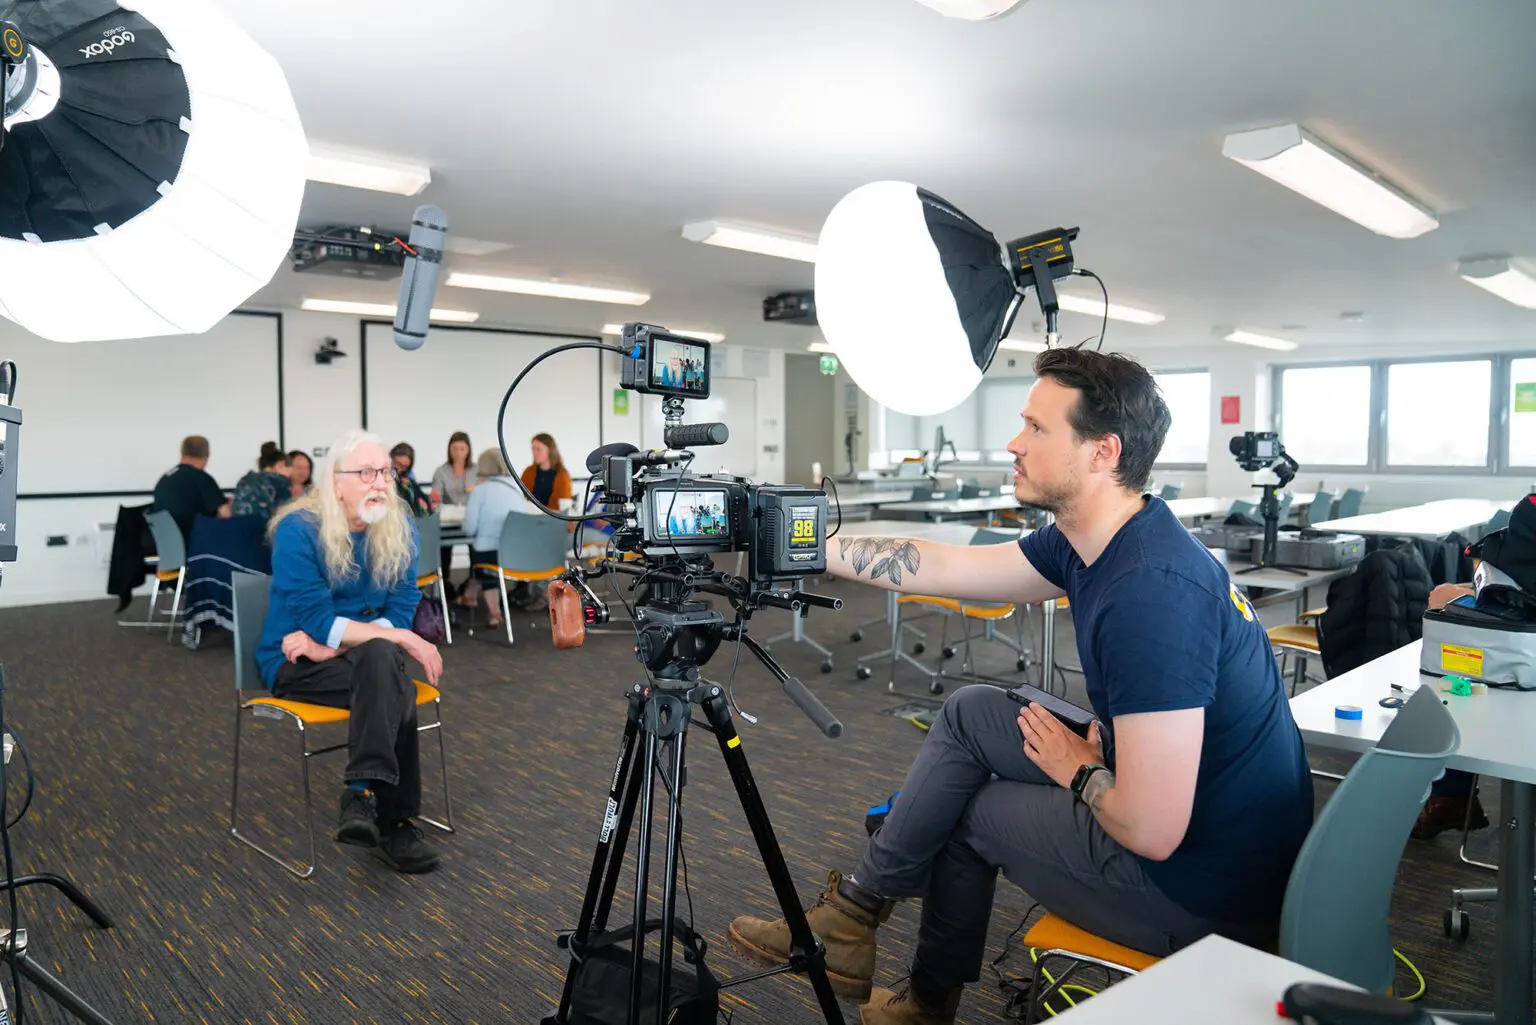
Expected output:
(301, 470)
(403, 458)
(451, 484)
(187, 490)
(496, 497)
(338, 631)
(261, 491)
(547, 476)
(1179, 815)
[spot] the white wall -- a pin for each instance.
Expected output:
(319, 403)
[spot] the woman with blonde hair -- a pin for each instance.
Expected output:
(496, 498)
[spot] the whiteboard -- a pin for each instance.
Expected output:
(733, 402)
(455, 382)
(104, 417)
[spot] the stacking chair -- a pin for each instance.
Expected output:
(251, 591)
(1169, 492)
(1298, 642)
(1249, 509)
(429, 566)
(1321, 509)
(1498, 521)
(1349, 503)
(1334, 919)
(171, 564)
(533, 549)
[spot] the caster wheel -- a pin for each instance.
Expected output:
(863, 672)
(936, 687)
(856, 636)
(1022, 664)
(949, 652)
(1457, 925)
(826, 666)
(919, 648)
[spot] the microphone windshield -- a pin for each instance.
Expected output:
(618, 448)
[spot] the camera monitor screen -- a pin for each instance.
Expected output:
(679, 366)
(689, 515)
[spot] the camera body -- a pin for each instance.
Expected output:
(1255, 450)
(781, 528)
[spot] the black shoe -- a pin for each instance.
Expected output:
(358, 823)
(402, 849)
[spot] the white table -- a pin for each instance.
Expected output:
(1498, 739)
(1428, 522)
(938, 509)
(1214, 980)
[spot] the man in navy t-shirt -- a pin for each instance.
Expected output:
(1181, 813)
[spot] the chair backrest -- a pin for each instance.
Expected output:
(921, 493)
(1169, 492)
(1335, 915)
(1321, 508)
(985, 536)
(532, 543)
(170, 546)
(1285, 506)
(1349, 503)
(251, 591)
(431, 558)
(1498, 521)
(1241, 508)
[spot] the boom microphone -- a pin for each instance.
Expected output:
(418, 282)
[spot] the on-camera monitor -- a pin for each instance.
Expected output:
(690, 515)
(680, 366)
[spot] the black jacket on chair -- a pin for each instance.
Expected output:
(1375, 610)
(131, 542)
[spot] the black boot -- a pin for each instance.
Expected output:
(358, 823)
(402, 848)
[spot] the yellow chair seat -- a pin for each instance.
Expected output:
(315, 715)
(524, 575)
(1295, 635)
(426, 581)
(959, 608)
(1055, 933)
(167, 574)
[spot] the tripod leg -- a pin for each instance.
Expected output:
(642, 875)
(620, 842)
(806, 953)
(669, 880)
(61, 994)
(64, 886)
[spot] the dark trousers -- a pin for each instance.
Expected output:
(382, 741)
(973, 803)
(1454, 783)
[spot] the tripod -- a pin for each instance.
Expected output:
(660, 712)
(1269, 509)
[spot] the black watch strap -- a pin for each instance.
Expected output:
(1083, 775)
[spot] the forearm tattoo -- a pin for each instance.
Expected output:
(1099, 784)
(890, 556)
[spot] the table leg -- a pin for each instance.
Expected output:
(1517, 861)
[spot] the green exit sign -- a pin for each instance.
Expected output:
(828, 364)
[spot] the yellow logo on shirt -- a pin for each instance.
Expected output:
(1241, 602)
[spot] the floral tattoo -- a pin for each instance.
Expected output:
(890, 556)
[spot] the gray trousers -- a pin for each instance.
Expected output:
(973, 803)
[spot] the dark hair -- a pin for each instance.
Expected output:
(299, 453)
(469, 451)
(270, 456)
(548, 441)
(194, 446)
(1116, 395)
(404, 449)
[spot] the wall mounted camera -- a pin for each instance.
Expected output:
(330, 349)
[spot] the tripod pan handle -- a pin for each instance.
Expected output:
(814, 710)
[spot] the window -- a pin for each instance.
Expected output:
(1522, 412)
(1189, 436)
(1325, 415)
(1423, 429)
(1002, 400)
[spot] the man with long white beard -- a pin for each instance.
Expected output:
(338, 632)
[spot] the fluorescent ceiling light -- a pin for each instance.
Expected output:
(1015, 345)
(1299, 160)
(1095, 307)
(820, 347)
(460, 246)
(703, 336)
(1502, 278)
(751, 240)
(971, 10)
(386, 310)
(1262, 341)
(552, 289)
(365, 171)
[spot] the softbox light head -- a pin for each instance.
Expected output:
(151, 173)
(912, 295)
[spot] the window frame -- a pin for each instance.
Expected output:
(1204, 464)
(1490, 461)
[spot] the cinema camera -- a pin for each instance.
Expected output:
(668, 525)
(1261, 450)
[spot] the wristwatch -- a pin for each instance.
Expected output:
(1081, 777)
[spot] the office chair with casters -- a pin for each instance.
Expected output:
(430, 569)
(251, 593)
(170, 564)
(1334, 919)
(533, 549)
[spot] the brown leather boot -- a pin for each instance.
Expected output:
(1442, 813)
(845, 917)
(905, 1007)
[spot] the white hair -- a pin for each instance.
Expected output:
(389, 540)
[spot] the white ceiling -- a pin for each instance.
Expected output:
(587, 132)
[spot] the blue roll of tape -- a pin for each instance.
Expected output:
(1347, 712)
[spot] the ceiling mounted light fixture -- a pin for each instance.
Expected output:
(1299, 160)
(1501, 277)
(548, 289)
(1095, 308)
(972, 10)
(385, 310)
(1261, 341)
(751, 240)
(366, 171)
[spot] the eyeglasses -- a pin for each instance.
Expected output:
(369, 474)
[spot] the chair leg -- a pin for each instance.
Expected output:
(442, 594)
(303, 871)
(442, 753)
(149, 618)
(506, 609)
(181, 577)
(1466, 833)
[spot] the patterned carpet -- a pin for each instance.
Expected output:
(131, 739)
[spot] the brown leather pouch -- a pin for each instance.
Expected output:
(567, 621)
